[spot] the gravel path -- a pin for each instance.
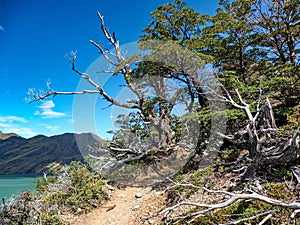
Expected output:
(128, 206)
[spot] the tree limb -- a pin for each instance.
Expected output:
(231, 199)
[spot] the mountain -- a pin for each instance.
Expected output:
(7, 135)
(20, 155)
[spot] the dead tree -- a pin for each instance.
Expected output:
(260, 135)
(160, 119)
(196, 209)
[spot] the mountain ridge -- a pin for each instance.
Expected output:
(21, 155)
(4, 136)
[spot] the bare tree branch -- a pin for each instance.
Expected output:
(104, 53)
(231, 199)
(264, 148)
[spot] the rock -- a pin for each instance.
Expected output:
(151, 221)
(79, 210)
(109, 187)
(136, 207)
(138, 195)
(110, 207)
(122, 196)
(158, 193)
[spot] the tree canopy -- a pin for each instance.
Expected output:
(241, 63)
(249, 49)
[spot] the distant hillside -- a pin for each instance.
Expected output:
(7, 135)
(20, 155)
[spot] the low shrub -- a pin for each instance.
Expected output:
(68, 189)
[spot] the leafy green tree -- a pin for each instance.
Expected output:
(255, 50)
(149, 78)
(277, 26)
(252, 47)
(179, 24)
(255, 45)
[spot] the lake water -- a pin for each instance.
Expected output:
(14, 184)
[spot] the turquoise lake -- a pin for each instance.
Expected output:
(11, 185)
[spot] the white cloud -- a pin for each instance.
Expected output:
(10, 124)
(24, 132)
(52, 128)
(5, 125)
(11, 119)
(47, 111)
(48, 114)
(2, 28)
(47, 105)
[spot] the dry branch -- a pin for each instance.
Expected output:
(37, 96)
(257, 136)
(231, 198)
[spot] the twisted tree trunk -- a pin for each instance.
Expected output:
(261, 138)
(265, 146)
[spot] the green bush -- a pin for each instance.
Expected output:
(72, 188)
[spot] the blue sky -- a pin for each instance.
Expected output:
(35, 36)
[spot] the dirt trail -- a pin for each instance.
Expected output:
(127, 206)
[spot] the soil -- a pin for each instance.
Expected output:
(134, 205)
(130, 206)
